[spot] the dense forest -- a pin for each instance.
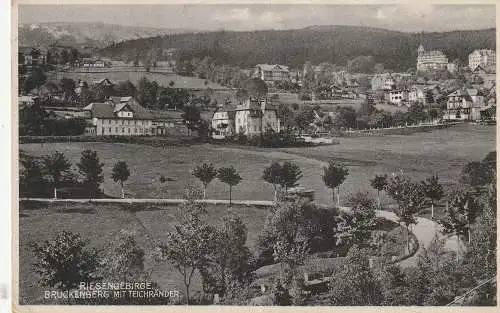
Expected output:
(333, 44)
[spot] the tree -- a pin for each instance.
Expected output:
(479, 174)
(191, 118)
(228, 175)
(356, 226)
(410, 199)
(189, 246)
(227, 265)
(91, 169)
(31, 181)
(291, 174)
(120, 173)
(480, 258)
(205, 173)
(461, 212)
(34, 80)
(274, 175)
(124, 259)
(333, 176)
(286, 228)
(255, 87)
(68, 87)
(126, 88)
(308, 80)
(361, 64)
(379, 182)
(394, 285)
(147, 92)
(345, 118)
(56, 166)
(304, 118)
(31, 120)
(65, 261)
(353, 283)
(433, 191)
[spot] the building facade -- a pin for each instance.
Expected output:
(123, 117)
(223, 122)
(272, 73)
(398, 97)
(464, 104)
(483, 57)
(431, 60)
(383, 82)
(250, 117)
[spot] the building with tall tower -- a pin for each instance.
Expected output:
(431, 60)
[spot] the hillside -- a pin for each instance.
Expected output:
(334, 44)
(82, 35)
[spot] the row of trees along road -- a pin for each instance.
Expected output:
(207, 172)
(56, 171)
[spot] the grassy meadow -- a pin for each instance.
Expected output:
(163, 79)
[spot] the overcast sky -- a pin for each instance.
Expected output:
(409, 17)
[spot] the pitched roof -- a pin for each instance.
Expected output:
(432, 53)
(98, 82)
(270, 67)
(109, 110)
(120, 99)
(484, 52)
(119, 107)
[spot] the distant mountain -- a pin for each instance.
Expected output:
(95, 35)
(334, 44)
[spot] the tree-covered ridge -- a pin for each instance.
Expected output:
(334, 44)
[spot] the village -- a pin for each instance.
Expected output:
(447, 97)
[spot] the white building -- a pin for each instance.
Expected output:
(464, 104)
(383, 82)
(484, 58)
(431, 60)
(272, 73)
(398, 97)
(223, 121)
(417, 93)
(119, 117)
(251, 117)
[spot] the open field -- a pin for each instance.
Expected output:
(42, 222)
(443, 152)
(162, 79)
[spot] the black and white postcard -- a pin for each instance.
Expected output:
(272, 154)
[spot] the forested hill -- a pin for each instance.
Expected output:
(333, 44)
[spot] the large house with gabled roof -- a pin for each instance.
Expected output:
(250, 117)
(465, 104)
(119, 116)
(272, 73)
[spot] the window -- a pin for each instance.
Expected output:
(116, 129)
(128, 129)
(123, 129)
(109, 130)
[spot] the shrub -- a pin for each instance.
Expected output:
(64, 261)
